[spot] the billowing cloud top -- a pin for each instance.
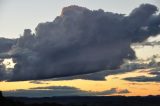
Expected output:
(80, 41)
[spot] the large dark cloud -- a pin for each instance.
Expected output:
(61, 91)
(81, 41)
(6, 44)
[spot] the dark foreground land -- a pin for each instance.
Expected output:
(82, 101)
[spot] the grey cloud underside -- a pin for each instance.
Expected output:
(155, 78)
(154, 66)
(37, 82)
(61, 91)
(154, 70)
(102, 75)
(80, 41)
(148, 63)
(144, 79)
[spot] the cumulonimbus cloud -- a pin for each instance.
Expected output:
(80, 41)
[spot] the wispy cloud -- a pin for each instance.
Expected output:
(61, 91)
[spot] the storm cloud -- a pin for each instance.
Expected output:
(6, 44)
(80, 41)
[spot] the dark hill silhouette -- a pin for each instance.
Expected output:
(1, 94)
(10, 102)
(81, 101)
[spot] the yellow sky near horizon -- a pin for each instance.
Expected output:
(112, 81)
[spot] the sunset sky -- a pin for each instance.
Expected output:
(91, 49)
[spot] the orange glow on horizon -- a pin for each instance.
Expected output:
(112, 81)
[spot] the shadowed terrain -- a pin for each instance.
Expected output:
(81, 101)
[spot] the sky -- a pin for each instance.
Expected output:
(18, 15)
(82, 54)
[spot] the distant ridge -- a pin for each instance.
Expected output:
(89, 101)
